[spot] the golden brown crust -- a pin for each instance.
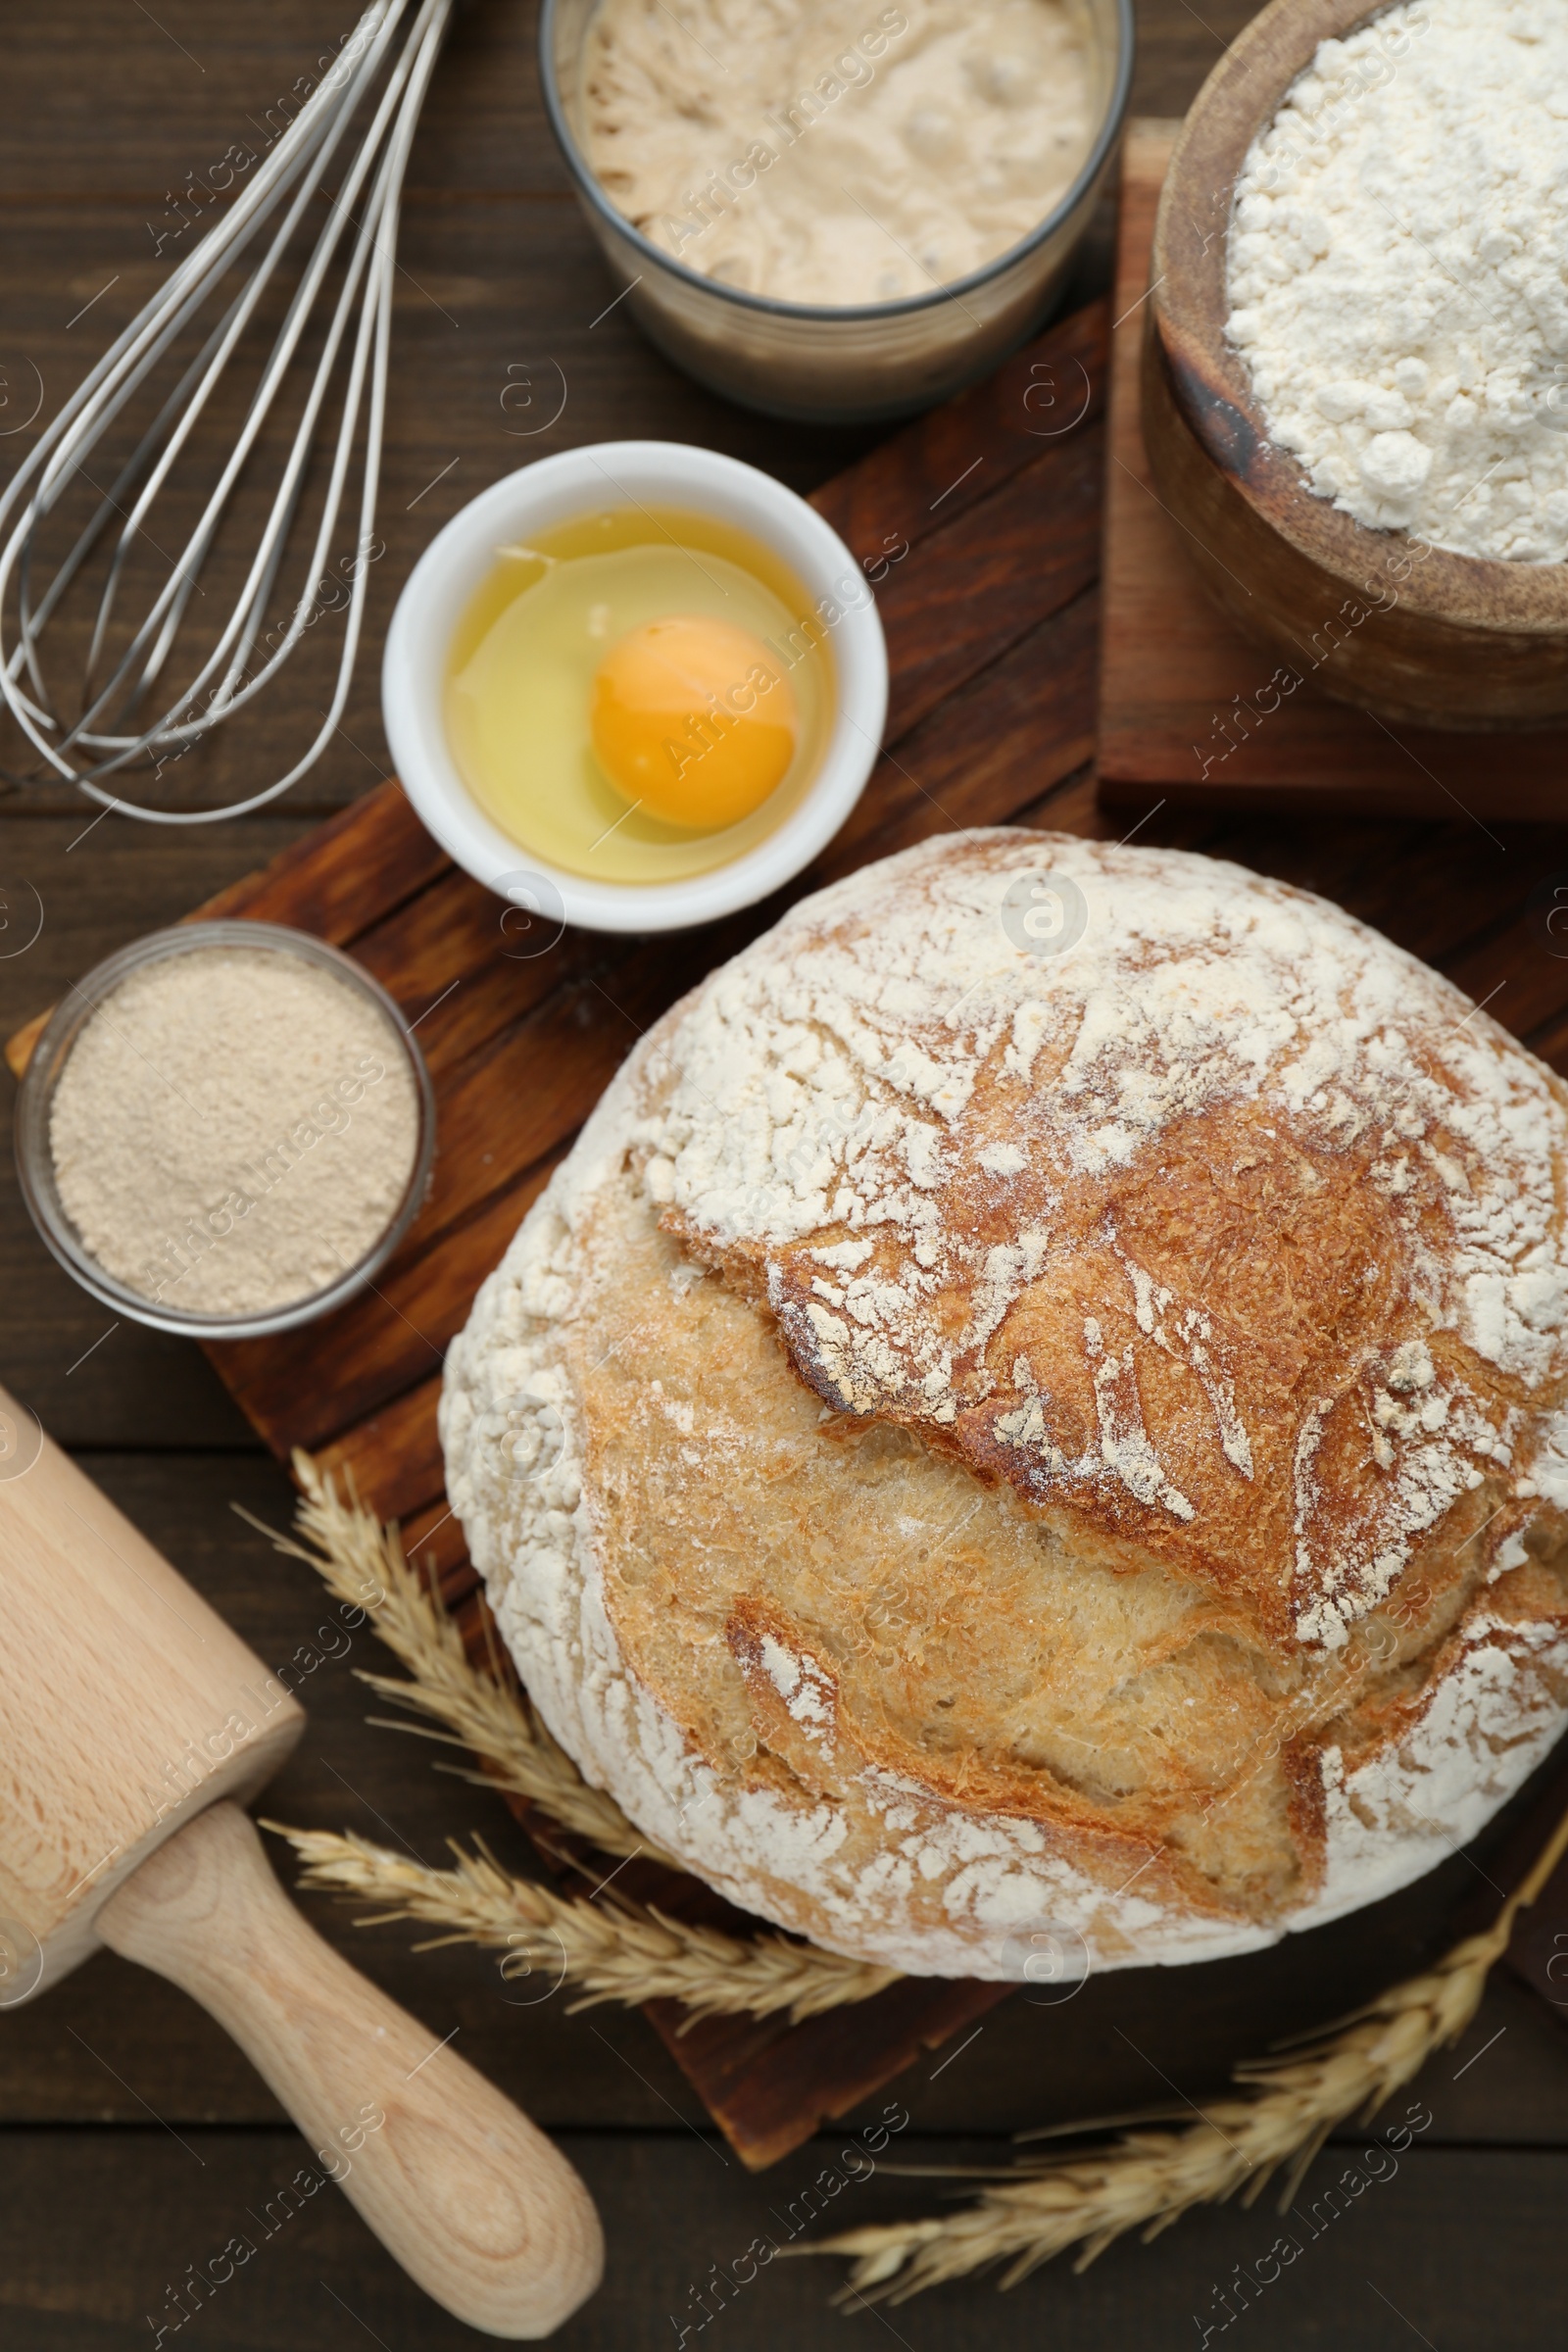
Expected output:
(1099, 1458)
(1280, 1283)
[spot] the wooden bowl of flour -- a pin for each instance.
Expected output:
(1380, 618)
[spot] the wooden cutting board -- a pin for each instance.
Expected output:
(980, 527)
(1190, 712)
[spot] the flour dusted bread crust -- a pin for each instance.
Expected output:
(987, 1451)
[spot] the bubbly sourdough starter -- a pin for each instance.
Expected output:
(819, 151)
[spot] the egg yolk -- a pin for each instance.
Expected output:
(693, 721)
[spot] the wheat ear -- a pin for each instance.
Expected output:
(362, 1562)
(615, 1949)
(1041, 2207)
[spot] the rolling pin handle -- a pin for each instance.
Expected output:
(469, 2196)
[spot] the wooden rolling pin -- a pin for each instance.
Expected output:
(133, 1724)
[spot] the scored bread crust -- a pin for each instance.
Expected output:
(1004, 1460)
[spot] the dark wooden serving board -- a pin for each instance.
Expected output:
(1190, 712)
(980, 527)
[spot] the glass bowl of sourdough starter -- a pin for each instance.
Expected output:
(859, 362)
(267, 1163)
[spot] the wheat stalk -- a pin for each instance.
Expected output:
(362, 1562)
(618, 1950)
(615, 1949)
(1041, 2207)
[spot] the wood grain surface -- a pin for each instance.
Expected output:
(135, 2137)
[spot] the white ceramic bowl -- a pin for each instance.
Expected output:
(584, 482)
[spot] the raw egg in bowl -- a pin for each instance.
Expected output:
(693, 722)
(635, 686)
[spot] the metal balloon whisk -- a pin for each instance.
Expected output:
(156, 685)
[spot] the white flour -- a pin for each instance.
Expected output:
(1396, 274)
(232, 1131)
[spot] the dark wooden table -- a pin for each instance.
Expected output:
(134, 2138)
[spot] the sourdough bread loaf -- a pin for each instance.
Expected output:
(1033, 1416)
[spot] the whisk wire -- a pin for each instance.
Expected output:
(111, 738)
(196, 546)
(274, 176)
(167, 609)
(118, 374)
